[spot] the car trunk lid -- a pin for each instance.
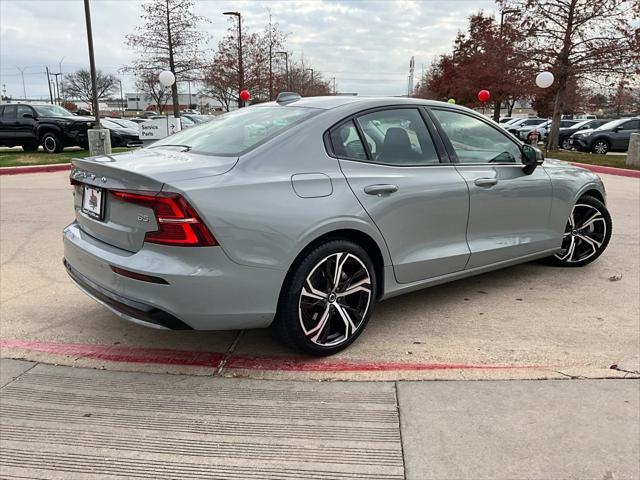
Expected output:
(123, 224)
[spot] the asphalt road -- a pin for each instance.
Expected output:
(528, 321)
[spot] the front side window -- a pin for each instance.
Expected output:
(238, 131)
(398, 137)
(474, 141)
(22, 109)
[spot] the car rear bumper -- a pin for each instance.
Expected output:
(204, 290)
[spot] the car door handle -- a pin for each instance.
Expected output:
(380, 189)
(485, 182)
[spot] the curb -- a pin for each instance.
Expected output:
(622, 172)
(56, 167)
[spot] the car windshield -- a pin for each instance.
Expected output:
(198, 118)
(581, 125)
(612, 124)
(238, 131)
(52, 111)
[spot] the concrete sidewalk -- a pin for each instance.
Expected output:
(75, 423)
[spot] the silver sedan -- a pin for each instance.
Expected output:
(302, 213)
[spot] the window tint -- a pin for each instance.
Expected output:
(238, 131)
(398, 137)
(9, 113)
(475, 141)
(632, 125)
(22, 109)
(346, 142)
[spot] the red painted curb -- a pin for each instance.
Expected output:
(622, 172)
(163, 356)
(35, 169)
(116, 353)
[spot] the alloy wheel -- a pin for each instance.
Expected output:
(601, 147)
(49, 144)
(584, 235)
(334, 300)
(566, 144)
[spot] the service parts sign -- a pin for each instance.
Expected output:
(158, 128)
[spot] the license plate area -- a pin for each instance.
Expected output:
(93, 201)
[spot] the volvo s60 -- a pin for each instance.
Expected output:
(302, 214)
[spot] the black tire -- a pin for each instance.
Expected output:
(51, 143)
(601, 146)
(592, 240)
(297, 323)
(565, 143)
(30, 147)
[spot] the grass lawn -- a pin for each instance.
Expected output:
(18, 158)
(591, 158)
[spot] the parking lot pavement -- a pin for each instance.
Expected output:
(529, 321)
(74, 423)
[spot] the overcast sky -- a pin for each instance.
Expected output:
(366, 45)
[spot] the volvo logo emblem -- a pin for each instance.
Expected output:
(104, 179)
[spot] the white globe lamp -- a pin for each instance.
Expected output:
(166, 78)
(544, 79)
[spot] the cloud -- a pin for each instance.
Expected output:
(365, 44)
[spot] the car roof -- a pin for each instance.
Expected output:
(359, 102)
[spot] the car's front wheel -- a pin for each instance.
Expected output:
(565, 143)
(600, 146)
(327, 298)
(51, 143)
(586, 235)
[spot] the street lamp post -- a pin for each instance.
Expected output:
(240, 66)
(121, 99)
(58, 99)
(286, 64)
(498, 104)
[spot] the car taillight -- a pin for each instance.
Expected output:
(178, 224)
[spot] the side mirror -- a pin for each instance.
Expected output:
(531, 158)
(27, 115)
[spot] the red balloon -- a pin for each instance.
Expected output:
(245, 95)
(483, 95)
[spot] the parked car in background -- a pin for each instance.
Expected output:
(543, 129)
(185, 122)
(505, 119)
(51, 126)
(303, 213)
(138, 120)
(196, 118)
(613, 136)
(566, 132)
(523, 122)
(124, 133)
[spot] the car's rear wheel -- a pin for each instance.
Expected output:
(327, 298)
(51, 143)
(600, 146)
(30, 147)
(565, 143)
(586, 235)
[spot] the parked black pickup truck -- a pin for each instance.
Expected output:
(51, 126)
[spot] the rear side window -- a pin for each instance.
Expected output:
(236, 132)
(632, 125)
(346, 142)
(398, 137)
(9, 113)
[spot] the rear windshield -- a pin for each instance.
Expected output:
(235, 132)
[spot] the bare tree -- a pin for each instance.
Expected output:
(78, 85)
(168, 39)
(580, 39)
(147, 83)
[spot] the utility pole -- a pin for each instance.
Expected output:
(334, 85)
(497, 107)
(121, 99)
(58, 99)
(49, 84)
(240, 66)
(24, 90)
(60, 72)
